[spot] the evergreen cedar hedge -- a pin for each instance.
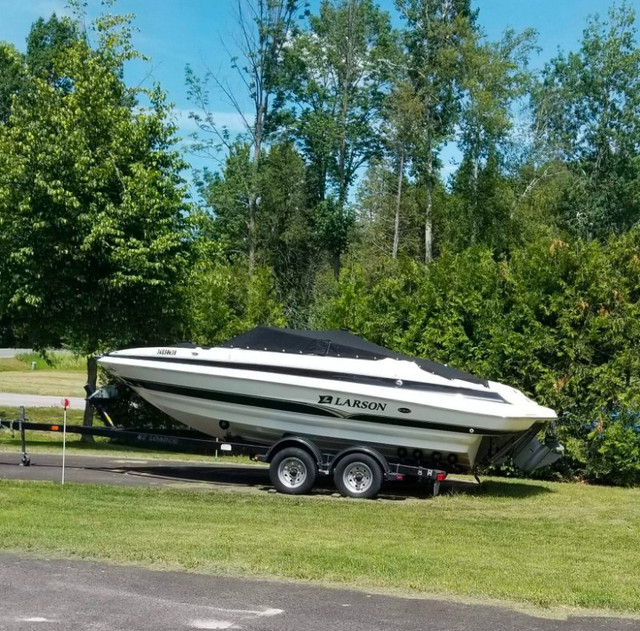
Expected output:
(559, 320)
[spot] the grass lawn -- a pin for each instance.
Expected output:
(538, 543)
(65, 375)
(60, 383)
(55, 360)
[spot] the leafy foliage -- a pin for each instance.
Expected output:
(559, 321)
(588, 107)
(90, 205)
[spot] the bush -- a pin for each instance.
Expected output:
(558, 320)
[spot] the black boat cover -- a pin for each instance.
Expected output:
(333, 344)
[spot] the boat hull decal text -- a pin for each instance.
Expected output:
(359, 404)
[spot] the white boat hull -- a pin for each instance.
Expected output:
(223, 401)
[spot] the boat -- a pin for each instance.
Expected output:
(338, 390)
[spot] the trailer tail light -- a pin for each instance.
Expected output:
(442, 476)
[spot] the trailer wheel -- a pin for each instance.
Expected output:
(358, 475)
(293, 471)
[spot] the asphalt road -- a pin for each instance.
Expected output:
(81, 595)
(39, 401)
(136, 471)
(12, 352)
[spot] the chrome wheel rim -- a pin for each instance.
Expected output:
(358, 477)
(292, 472)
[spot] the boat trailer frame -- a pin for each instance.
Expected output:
(392, 470)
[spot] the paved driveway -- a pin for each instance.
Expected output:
(79, 595)
(12, 352)
(38, 401)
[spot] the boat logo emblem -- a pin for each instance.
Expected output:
(404, 410)
(327, 399)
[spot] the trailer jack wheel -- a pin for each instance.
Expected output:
(25, 461)
(293, 471)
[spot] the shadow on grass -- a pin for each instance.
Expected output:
(218, 474)
(498, 488)
(394, 491)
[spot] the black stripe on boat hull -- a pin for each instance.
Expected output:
(387, 382)
(305, 408)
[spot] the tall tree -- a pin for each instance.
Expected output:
(588, 107)
(287, 229)
(266, 26)
(47, 43)
(437, 36)
(92, 247)
(400, 128)
(496, 82)
(497, 76)
(341, 72)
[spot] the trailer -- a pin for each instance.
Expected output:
(295, 462)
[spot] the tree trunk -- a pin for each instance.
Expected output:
(92, 379)
(346, 102)
(253, 195)
(396, 227)
(428, 226)
(475, 220)
(251, 225)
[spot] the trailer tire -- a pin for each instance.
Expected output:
(358, 475)
(293, 471)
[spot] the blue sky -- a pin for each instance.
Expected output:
(179, 32)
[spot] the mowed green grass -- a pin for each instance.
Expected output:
(539, 543)
(65, 376)
(55, 360)
(58, 383)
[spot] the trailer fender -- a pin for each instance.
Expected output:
(382, 461)
(294, 441)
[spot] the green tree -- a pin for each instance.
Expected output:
(588, 107)
(92, 246)
(226, 193)
(223, 299)
(13, 76)
(400, 127)
(484, 201)
(438, 36)
(389, 216)
(287, 231)
(266, 26)
(338, 73)
(342, 68)
(47, 42)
